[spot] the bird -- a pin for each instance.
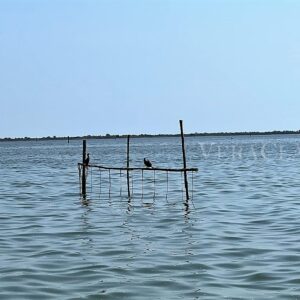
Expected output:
(147, 163)
(87, 160)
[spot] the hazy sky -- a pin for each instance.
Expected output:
(70, 67)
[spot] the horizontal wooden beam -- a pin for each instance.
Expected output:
(142, 169)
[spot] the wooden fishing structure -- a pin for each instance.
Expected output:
(85, 165)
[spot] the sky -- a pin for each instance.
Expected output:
(80, 67)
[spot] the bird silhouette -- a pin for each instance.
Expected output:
(87, 160)
(147, 163)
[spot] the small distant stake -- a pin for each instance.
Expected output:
(68, 139)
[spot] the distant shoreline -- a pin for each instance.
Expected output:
(117, 136)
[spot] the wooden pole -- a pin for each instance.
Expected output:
(68, 139)
(184, 162)
(128, 183)
(83, 179)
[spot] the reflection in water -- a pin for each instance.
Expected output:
(186, 208)
(84, 200)
(87, 226)
(129, 204)
(149, 204)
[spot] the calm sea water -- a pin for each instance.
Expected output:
(238, 239)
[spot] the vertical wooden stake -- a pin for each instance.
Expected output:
(184, 162)
(128, 183)
(68, 139)
(83, 178)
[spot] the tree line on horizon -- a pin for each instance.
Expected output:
(116, 136)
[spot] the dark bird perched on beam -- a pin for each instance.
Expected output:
(87, 160)
(147, 163)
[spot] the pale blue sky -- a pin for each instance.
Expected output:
(70, 67)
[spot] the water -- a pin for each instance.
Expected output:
(238, 239)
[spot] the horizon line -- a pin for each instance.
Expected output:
(114, 136)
